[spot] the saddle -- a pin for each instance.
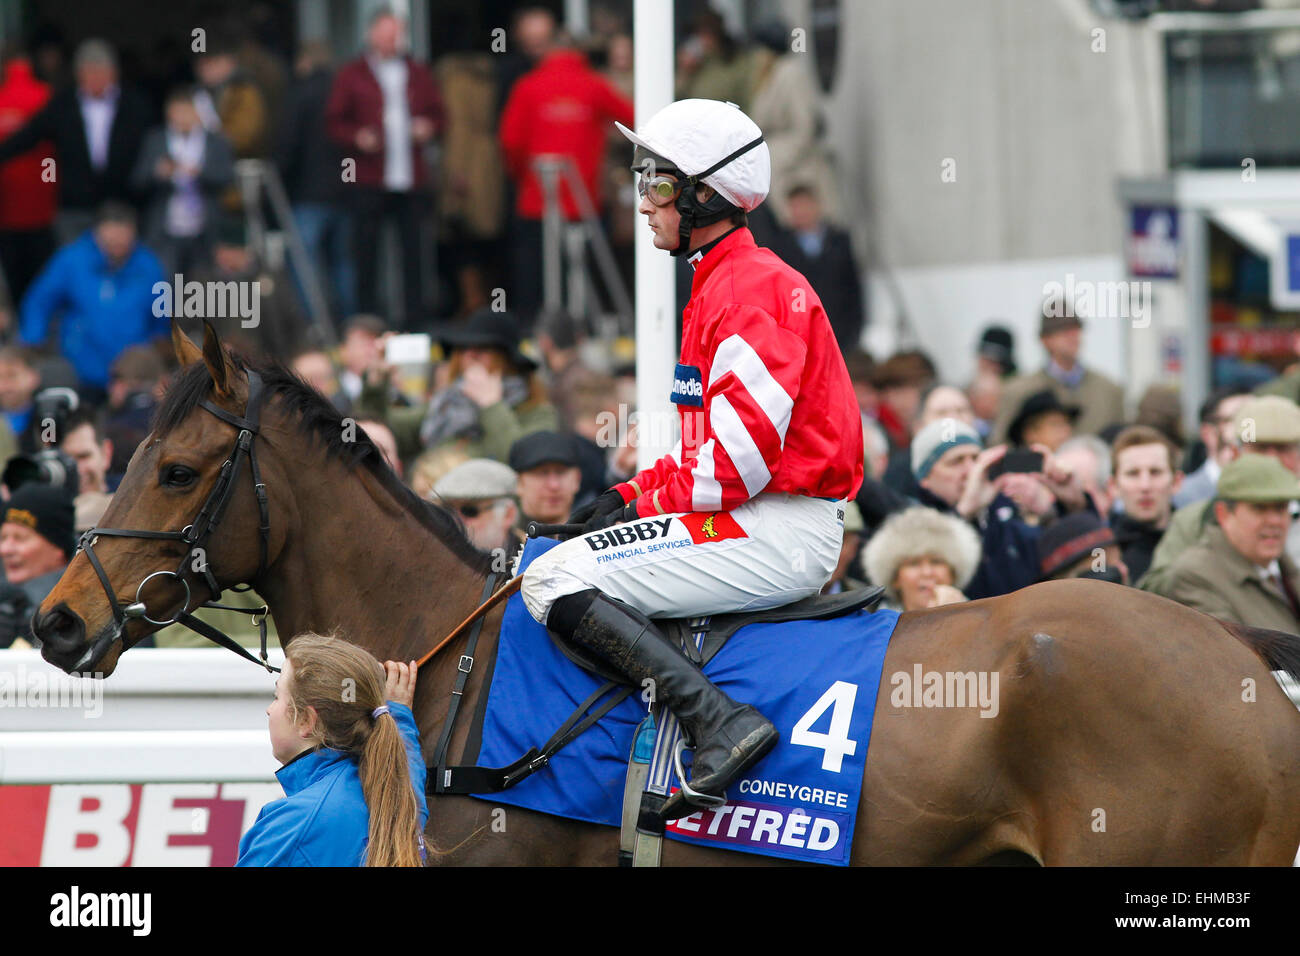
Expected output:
(715, 632)
(719, 628)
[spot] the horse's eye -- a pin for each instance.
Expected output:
(178, 476)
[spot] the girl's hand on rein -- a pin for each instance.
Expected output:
(399, 682)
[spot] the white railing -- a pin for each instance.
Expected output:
(164, 715)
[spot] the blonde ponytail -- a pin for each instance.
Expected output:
(345, 684)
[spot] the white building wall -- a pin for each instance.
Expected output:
(1039, 122)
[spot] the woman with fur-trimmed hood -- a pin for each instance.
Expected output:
(923, 558)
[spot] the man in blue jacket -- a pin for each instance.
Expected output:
(102, 284)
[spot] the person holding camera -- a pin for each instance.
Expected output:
(1005, 494)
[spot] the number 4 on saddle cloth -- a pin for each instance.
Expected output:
(815, 680)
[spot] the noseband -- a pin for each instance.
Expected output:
(195, 535)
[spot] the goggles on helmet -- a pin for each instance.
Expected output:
(660, 189)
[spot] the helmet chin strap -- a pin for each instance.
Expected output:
(695, 213)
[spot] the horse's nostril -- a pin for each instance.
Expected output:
(58, 627)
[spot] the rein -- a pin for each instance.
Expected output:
(507, 589)
(197, 533)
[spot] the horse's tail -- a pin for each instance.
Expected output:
(1278, 649)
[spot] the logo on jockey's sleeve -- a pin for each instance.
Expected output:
(712, 526)
(688, 386)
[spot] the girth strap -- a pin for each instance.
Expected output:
(495, 779)
(473, 779)
(463, 669)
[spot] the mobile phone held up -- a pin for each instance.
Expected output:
(1016, 460)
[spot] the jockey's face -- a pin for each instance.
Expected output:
(664, 222)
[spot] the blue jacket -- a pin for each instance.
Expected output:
(105, 310)
(323, 819)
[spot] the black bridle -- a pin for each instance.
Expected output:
(195, 535)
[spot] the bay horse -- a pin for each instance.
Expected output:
(1129, 731)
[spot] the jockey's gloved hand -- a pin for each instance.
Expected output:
(608, 502)
(600, 522)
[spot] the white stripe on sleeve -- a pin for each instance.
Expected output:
(736, 355)
(735, 437)
(706, 493)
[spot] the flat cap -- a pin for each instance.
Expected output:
(479, 479)
(543, 448)
(1270, 419)
(1258, 478)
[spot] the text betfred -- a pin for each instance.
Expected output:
(760, 825)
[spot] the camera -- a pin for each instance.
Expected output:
(49, 466)
(53, 405)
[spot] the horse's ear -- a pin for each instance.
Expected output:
(218, 362)
(187, 353)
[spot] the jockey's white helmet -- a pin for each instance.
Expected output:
(699, 136)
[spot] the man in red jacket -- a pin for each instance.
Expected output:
(27, 198)
(747, 512)
(383, 110)
(562, 108)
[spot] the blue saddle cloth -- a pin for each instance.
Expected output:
(817, 681)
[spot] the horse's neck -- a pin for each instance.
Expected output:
(357, 561)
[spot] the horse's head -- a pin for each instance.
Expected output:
(189, 488)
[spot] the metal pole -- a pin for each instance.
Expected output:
(656, 292)
(552, 280)
(577, 18)
(600, 247)
(298, 256)
(249, 173)
(574, 240)
(1196, 335)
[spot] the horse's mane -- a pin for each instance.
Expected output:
(319, 419)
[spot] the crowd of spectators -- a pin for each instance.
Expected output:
(972, 490)
(1017, 479)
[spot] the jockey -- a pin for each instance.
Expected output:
(747, 512)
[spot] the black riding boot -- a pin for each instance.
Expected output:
(728, 737)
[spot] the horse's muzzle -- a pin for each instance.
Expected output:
(62, 634)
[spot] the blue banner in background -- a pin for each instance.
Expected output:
(1153, 242)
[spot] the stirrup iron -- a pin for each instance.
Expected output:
(693, 797)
